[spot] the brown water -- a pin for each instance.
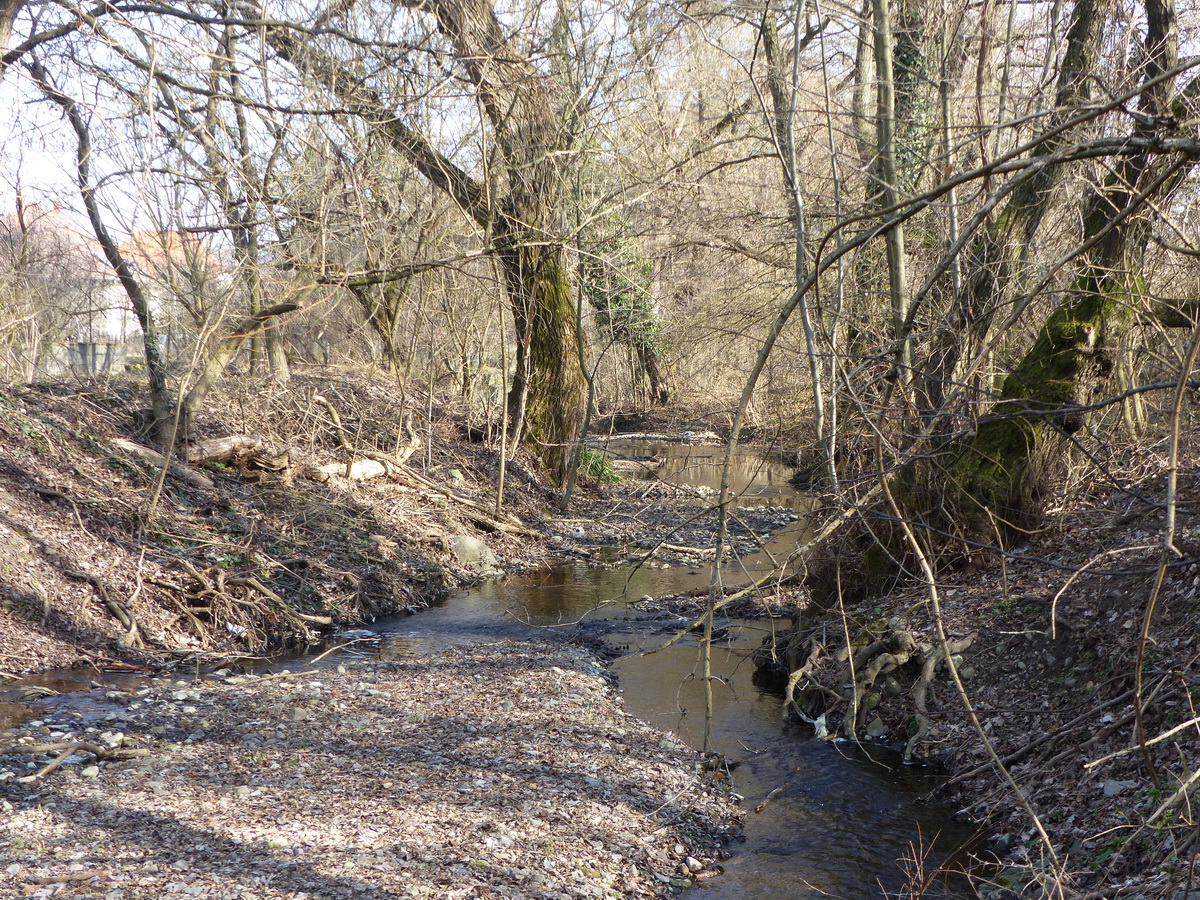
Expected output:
(840, 817)
(836, 818)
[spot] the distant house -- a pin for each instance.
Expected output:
(84, 319)
(79, 316)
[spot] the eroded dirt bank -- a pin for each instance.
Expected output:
(508, 770)
(101, 559)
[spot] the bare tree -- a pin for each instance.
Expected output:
(516, 219)
(162, 408)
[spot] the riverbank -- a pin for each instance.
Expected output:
(234, 558)
(327, 502)
(507, 770)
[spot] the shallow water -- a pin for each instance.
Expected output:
(834, 820)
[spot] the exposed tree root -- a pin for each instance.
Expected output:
(846, 686)
(930, 661)
(239, 602)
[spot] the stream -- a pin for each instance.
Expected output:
(823, 819)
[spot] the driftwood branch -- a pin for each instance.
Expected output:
(65, 749)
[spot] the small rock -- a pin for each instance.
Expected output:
(693, 864)
(1113, 787)
(90, 772)
(473, 553)
(876, 728)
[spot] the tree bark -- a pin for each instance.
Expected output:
(517, 101)
(885, 130)
(783, 101)
(8, 14)
(999, 475)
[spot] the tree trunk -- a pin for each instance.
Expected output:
(885, 130)
(517, 102)
(999, 254)
(999, 476)
(156, 373)
(783, 101)
(554, 397)
(226, 351)
(648, 360)
(8, 15)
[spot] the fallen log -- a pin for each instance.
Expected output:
(357, 470)
(222, 449)
(175, 469)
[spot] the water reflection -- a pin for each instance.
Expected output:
(753, 475)
(833, 820)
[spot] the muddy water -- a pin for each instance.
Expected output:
(835, 819)
(822, 819)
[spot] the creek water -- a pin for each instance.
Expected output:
(836, 819)
(823, 819)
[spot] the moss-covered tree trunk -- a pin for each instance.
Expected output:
(998, 477)
(548, 380)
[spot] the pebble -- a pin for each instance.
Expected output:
(90, 772)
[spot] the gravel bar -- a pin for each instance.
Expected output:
(499, 770)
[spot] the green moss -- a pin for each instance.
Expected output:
(998, 471)
(557, 389)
